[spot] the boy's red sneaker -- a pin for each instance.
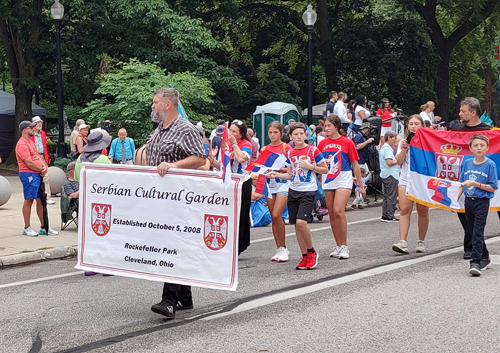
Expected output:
(311, 260)
(302, 264)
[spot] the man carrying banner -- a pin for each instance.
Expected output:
(470, 111)
(174, 144)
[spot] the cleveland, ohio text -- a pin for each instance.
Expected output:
(151, 193)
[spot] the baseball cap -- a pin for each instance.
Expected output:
(70, 166)
(83, 126)
(365, 125)
(219, 130)
(25, 124)
(36, 119)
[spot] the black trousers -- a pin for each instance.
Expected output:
(390, 191)
(244, 229)
(173, 293)
(476, 212)
(467, 234)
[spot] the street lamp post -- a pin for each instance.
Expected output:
(57, 11)
(309, 18)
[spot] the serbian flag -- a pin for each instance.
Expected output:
(225, 158)
(267, 161)
(262, 187)
(436, 159)
(333, 169)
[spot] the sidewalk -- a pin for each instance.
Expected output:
(16, 248)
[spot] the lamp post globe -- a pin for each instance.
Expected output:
(309, 17)
(57, 11)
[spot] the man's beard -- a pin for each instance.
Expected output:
(155, 116)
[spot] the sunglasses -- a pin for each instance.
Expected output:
(237, 122)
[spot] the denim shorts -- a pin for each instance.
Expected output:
(281, 193)
(31, 185)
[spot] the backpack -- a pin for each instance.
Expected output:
(372, 159)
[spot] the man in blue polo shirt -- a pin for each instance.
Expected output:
(122, 149)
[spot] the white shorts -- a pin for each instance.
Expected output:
(343, 181)
(384, 129)
(403, 179)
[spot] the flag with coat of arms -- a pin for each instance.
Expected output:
(436, 159)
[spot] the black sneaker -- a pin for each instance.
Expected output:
(390, 220)
(164, 309)
(180, 306)
(484, 263)
(467, 255)
(475, 270)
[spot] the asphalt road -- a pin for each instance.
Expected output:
(377, 301)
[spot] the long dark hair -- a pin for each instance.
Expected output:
(360, 100)
(335, 121)
(243, 129)
(351, 105)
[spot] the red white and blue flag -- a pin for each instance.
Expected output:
(225, 158)
(267, 161)
(436, 158)
(334, 167)
(262, 187)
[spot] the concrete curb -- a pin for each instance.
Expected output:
(37, 255)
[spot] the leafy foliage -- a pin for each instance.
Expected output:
(125, 95)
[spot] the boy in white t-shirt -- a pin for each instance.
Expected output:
(305, 161)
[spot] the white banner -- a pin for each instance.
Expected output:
(181, 228)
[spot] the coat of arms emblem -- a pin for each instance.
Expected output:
(101, 219)
(215, 236)
(448, 163)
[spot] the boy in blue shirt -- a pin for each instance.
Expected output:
(479, 182)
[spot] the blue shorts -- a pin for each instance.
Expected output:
(31, 185)
(281, 193)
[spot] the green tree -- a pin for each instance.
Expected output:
(125, 95)
(448, 22)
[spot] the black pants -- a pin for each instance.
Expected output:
(467, 234)
(476, 213)
(172, 293)
(390, 191)
(244, 229)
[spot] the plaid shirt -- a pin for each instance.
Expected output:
(177, 141)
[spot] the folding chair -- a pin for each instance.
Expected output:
(69, 210)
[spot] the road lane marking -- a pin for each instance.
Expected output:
(293, 293)
(14, 284)
(320, 228)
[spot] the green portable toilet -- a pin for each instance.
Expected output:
(275, 111)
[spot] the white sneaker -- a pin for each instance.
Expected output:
(401, 247)
(335, 252)
(344, 252)
(50, 232)
(283, 254)
(50, 202)
(275, 257)
(420, 246)
(30, 232)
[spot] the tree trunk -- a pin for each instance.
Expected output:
(325, 30)
(23, 112)
(442, 83)
(489, 95)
